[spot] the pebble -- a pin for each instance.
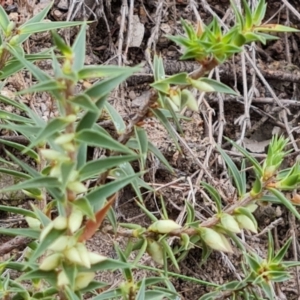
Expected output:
(132, 95)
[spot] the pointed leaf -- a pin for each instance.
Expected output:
(233, 170)
(85, 102)
(214, 194)
(98, 195)
(116, 118)
(4, 20)
(26, 232)
(96, 167)
(98, 139)
(285, 202)
(43, 182)
(78, 48)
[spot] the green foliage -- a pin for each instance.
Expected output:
(82, 191)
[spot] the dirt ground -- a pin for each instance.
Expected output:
(126, 33)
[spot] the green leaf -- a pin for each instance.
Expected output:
(61, 45)
(48, 85)
(211, 85)
(4, 20)
(14, 173)
(167, 249)
(164, 121)
(85, 102)
(98, 195)
(78, 48)
(268, 289)
(259, 12)
(248, 16)
(254, 265)
(105, 86)
(126, 271)
(281, 253)
(108, 264)
(275, 28)
(37, 72)
(89, 119)
(41, 182)
(285, 202)
(67, 168)
(142, 140)
(96, 167)
(142, 290)
(177, 79)
(98, 139)
(161, 87)
(53, 127)
(35, 19)
(141, 252)
(18, 210)
(26, 232)
(126, 170)
(14, 117)
(252, 159)
(16, 104)
(50, 276)
(233, 170)
(116, 118)
(45, 26)
(95, 71)
(21, 148)
(214, 194)
(45, 243)
(158, 68)
(111, 294)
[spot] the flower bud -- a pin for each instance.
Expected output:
(51, 154)
(155, 250)
(175, 96)
(33, 223)
(96, 258)
(14, 40)
(10, 27)
(164, 226)
(83, 280)
(60, 244)
(84, 255)
(201, 86)
(75, 220)
(77, 187)
(188, 99)
(70, 118)
(214, 240)
(73, 256)
(69, 147)
(60, 223)
(62, 279)
(64, 138)
(246, 223)
(230, 224)
(226, 243)
(50, 262)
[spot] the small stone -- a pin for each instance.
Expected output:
(132, 95)
(63, 5)
(57, 14)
